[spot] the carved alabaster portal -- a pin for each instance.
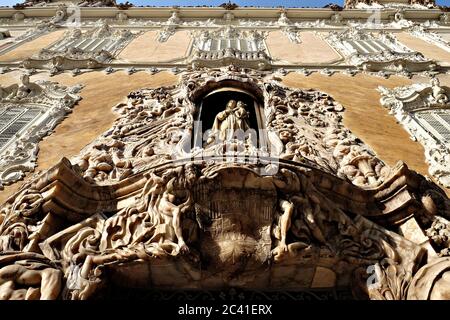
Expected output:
(139, 207)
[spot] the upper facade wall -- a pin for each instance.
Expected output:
(168, 38)
(311, 47)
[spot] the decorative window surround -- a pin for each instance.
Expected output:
(381, 52)
(431, 37)
(229, 45)
(31, 34)
(79, 50)
(424, 111)
(42, 26)
(28, 112)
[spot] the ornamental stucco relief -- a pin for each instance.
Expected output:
(29, 111)
(423, 110)
(293, 192)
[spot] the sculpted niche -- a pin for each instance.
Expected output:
(146, 206)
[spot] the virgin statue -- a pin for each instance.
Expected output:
(234, 117)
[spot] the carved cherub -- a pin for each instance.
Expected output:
(174, 18)
(283, 20)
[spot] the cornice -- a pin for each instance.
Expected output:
(218, 12)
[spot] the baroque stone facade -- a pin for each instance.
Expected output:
(228, 176)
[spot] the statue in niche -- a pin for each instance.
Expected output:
(234, 117)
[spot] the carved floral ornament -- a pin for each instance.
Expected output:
(29, 111)
(423, 110)
(295, 192)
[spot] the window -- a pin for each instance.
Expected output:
(245, 48)
(230, 38)
(368, 46)
(88, 44)
(436, 123)
(13, 121)
(363, 42)
(424, 110)
(29, 112)
(218, 44)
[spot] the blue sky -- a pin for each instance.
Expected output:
(266, 3)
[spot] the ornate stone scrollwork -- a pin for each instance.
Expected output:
(375, 53)
(230, 45)
(361, 4)
(423, 33)
(31, 34)
(29, 111)
(432, 282)
(170, 27)
(423, 111)
(145, 204)
(81, 50)
(288, 28)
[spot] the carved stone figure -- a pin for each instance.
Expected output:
(4, 34)
(283, 20)
(431, 282)
(174, 18)
(439, 94)
(8, 92)
(234, 117)
(313, 199)
(27, 89)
